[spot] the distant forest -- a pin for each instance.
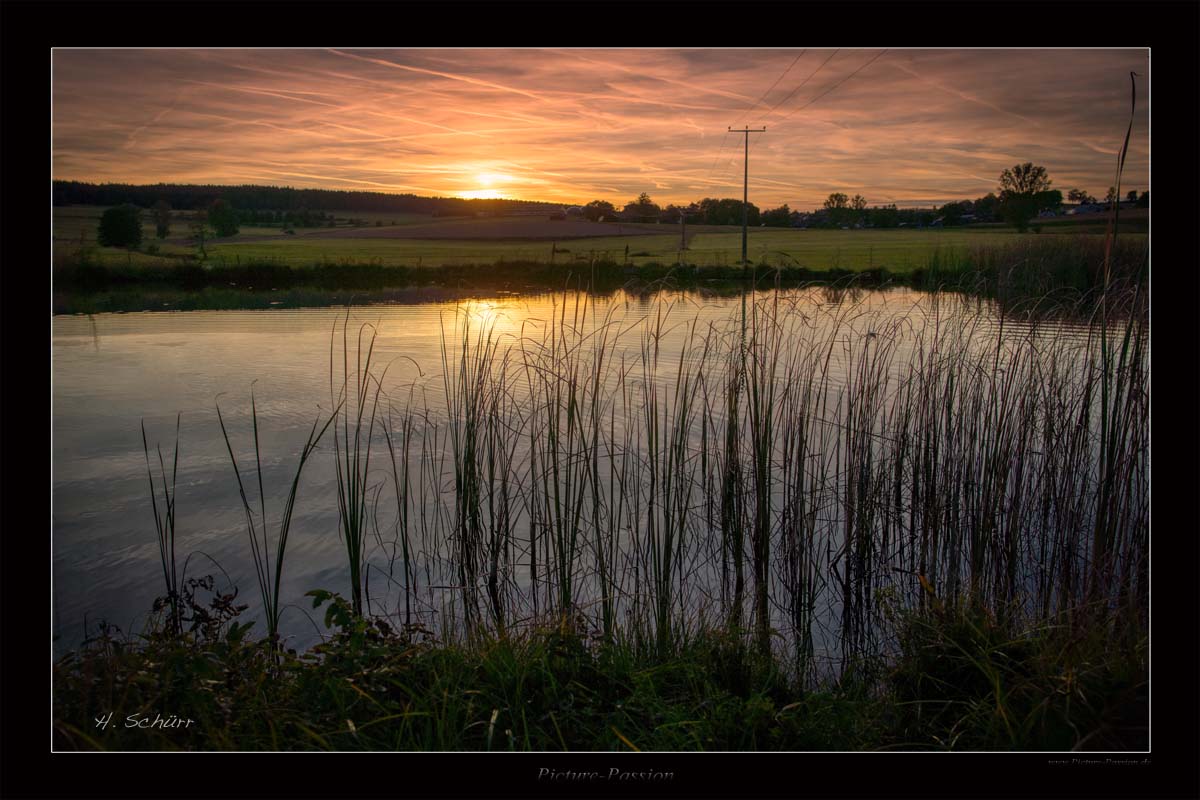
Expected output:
(278, 198)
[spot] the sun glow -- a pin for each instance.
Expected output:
(491, 178)
(492, 184)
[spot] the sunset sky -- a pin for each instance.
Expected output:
(911, 127)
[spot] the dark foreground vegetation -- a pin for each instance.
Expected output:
(962, 681)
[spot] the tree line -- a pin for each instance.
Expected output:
(274, 198)
(1024, 192)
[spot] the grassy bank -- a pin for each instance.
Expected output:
(960, 682)
(1052, 270)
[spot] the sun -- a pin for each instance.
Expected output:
(491, 178)
(492, 184)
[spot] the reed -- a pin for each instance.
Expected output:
(164, 526)
(268, 575)
(357, 400)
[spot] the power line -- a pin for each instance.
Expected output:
(773, 85)
(819, 96)
(798, 88)
(836, 85)
(746, 113)
(790, 94)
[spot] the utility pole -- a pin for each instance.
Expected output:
(746, 183)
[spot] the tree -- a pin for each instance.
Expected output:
(859, 204)
(121, 226)
(223, 218)
(952, 213)
(885, 216)
(837, 201)
(987, 207)
(838, 206)
(1080, 196)
(162, 218)
(200, 231)
(777, 217)
(643, 209)
(728, 211)
(1110, 195)
(1024, 179)
(1144, 200)
(1131, 195)
(598, 210)
(1024, 191)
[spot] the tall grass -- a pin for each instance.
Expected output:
(164, 525)
(638, 477)
(270, 576)
(357, 400)
(846, 453)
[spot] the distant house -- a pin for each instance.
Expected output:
(574, 211)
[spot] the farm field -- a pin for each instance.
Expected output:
(897, 250)
(418, 240)
(436, 252)
(497, 228)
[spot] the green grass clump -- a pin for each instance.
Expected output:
(968, 681)
(371, 686)
(961, 681)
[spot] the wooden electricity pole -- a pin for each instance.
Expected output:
(746, 183)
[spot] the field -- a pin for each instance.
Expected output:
(417, 240)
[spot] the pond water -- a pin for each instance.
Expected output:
(112, 373)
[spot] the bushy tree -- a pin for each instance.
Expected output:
(222, 218)
(1080, 196)
(121, 226)
(643, 209)
(777, 217)
(1144, 200)
(952, 213)
(859, 204)
(838, 206)
(837, 200)
(987, 207)
(598, 210)
(728, 211)
(1131, 195)
(1024, 191)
